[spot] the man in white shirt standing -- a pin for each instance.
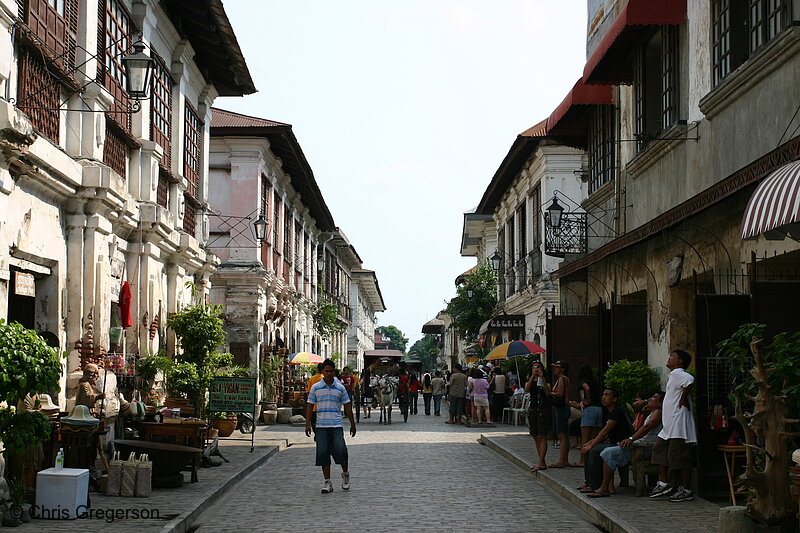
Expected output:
(672, 450)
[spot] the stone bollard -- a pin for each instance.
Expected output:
(735, 520)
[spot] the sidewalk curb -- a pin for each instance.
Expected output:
(598, 517)
(182, 523)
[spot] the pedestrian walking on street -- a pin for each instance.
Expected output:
(413, 393)
(673, 447)
(497, 387)
(457, 395)
(329, 396)
(427, 392)
(540, 412)
(437, 388)
(479, 390)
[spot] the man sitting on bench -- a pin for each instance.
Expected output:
(616, 456)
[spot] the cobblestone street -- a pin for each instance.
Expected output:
(420, 476)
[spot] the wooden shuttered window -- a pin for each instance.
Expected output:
(276, 244)
(189, 216)
(161, 110)
(192, 150)
(114, 42)
(39, 93)
(287, 243)
(115, 150)
(54, 24)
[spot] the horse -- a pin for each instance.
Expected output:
(385, 391)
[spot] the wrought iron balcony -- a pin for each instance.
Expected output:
(570, 237)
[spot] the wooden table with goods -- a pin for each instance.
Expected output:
(168, 459)
(730, 453)
(193, 435)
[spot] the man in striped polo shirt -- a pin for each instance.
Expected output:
(329, 395)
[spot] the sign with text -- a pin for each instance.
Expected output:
(24, 285)
(233, 395)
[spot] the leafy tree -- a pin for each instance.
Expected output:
(201, 332)
(326, 317)
(629, 377)
(397, 341)
(425, 350)
(469, 312)
(27, 365)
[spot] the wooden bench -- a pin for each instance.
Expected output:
(642, 468)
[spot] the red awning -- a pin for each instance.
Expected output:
(610, 62)
(775, 202)
(569, 119)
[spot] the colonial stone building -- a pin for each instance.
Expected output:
(365, 300)
(272, 289)
(507, 230)
(693, 171)
(102, 194)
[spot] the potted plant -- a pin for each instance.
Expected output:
(19, 510)
(29, 366)
(766, 396)
(224, 423)
(628, 378)
(268, 375)
(200, 330)
(148, 369)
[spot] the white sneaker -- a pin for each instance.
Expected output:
(682, 495)
(346, 480)
(661, 489)
(327, 487)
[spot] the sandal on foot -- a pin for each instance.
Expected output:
(597, 494)
(556, 465)
(586, 490)
(537, 468)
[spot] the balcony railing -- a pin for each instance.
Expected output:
(570, 237)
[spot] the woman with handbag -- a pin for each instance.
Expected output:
(559, 397)
(540, 412)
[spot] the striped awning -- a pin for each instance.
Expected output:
(775, 202)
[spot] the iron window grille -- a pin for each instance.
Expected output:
(602, 136)
(670, 69)
(570, 237)
(192, 150)
(739, 28)
(655, 85)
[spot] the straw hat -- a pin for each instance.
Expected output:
(80, 416)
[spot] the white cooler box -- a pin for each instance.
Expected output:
(61, 494)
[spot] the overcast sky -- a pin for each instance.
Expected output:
(405, 110)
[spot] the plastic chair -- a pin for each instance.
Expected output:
(518, 407)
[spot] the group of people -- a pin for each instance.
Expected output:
(663, 423)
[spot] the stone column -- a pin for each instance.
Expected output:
(76, 225)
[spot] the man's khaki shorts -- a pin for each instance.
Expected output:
(673, 453)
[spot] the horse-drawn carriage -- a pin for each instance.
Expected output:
(381, 390)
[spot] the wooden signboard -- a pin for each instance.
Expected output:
(232, 395)
(24, 285)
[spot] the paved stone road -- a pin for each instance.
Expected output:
(420, 476)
